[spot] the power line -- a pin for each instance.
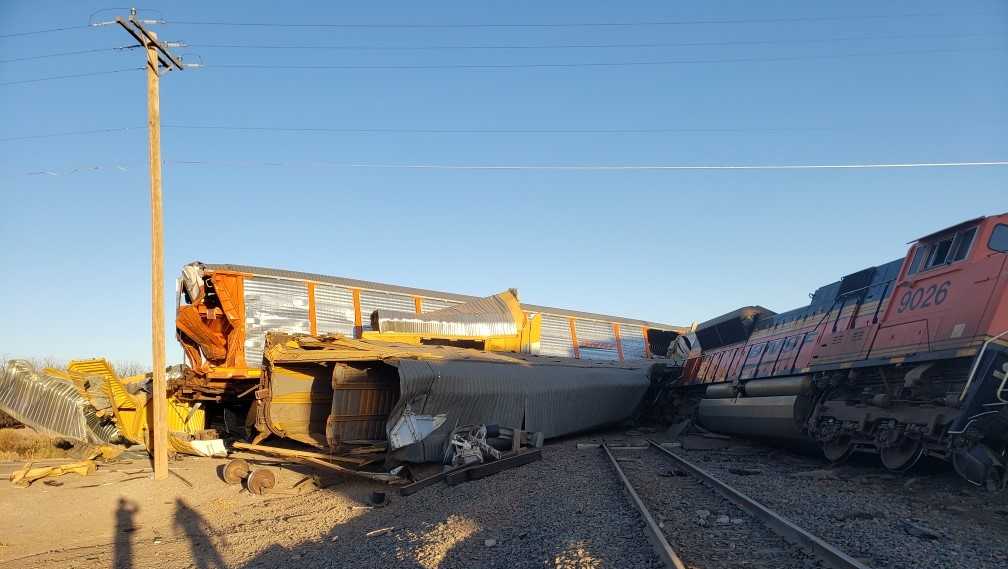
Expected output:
(121, 166)
(581, 46)
(73, 76)
(555, 25)
(72, 133)
(48, 31)
(599, 167)
(489, 130)
(491, 66)
(63, 54)
(380, 130)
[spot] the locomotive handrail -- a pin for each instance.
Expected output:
(976, 364)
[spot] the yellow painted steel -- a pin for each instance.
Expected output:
(134, 419)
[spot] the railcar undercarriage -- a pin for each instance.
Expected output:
(900, 412)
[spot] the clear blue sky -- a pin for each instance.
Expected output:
(902, 82)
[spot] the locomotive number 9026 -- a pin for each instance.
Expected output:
(924, 297)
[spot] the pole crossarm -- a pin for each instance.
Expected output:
(146, 38)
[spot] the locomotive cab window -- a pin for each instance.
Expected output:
(942, 251)
(999, 239)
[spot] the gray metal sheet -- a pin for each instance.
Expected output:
(51, 405)
(484, 317)
(556, 340)
(553, 398)
(370, 300)
(633, 342)
(596, 340)
(429, 304)
(272, 304)
(334, 311)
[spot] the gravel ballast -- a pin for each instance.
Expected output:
(928, 517)
(707, 530)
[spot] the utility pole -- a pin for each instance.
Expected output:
(158, 58)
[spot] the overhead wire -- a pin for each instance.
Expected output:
(601, 167)
(66, 53)
(639, 23)
(365, 47)
(47, 31)
(71, 133)
(597, 64)
(120, 166)
(350, 130)
(71, 76)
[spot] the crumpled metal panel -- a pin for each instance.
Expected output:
(51, 405)
(556, 340)
(546, 396)
(371, 300)
(481, 318)
(334, 311)
(272, 304)
(596, 340)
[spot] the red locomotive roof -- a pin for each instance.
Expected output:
(950, 228)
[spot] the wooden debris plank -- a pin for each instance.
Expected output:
(277, 451)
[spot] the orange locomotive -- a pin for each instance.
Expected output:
(906, 359)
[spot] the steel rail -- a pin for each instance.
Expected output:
(780, 525)
(655, 534)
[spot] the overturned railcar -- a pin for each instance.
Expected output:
(225, 311)
(333, 391)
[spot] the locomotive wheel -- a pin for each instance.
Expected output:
(903, 455)
(982, 467)
(236, 471)
(260, 481)
(838, 449)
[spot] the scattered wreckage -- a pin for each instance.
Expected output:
(464, 385)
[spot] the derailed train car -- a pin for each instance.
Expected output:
(224, 312)
(332, 391)
(905, 359)
(559, 364)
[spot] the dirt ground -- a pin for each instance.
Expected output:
(524, 517)
(567, 511)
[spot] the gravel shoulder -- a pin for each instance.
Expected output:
(566, 511)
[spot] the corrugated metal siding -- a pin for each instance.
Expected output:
(272, 304)
(407, 291)
(432, 304)
(370, 300)
(633, 342)
(596, 340)
(556, 340)
(554, 399)
(484, 317)
(334, 312)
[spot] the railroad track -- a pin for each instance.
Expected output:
(712, 525)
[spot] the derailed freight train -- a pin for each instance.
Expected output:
(906, 359)
(342, 362)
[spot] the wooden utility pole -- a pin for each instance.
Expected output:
(158, 58)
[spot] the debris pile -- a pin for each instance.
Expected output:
(88, 403)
